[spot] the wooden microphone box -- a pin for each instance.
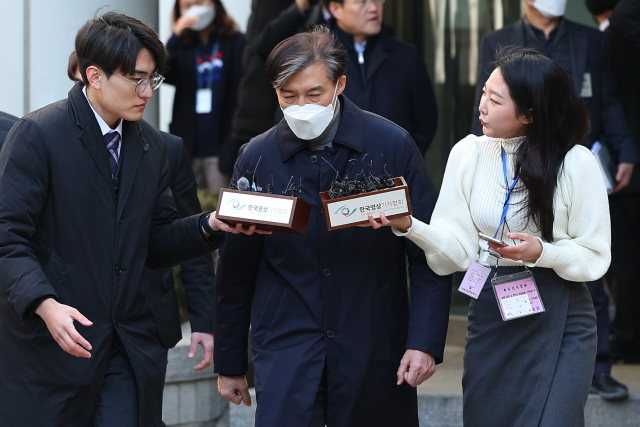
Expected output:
(270, 212)
(354, 210)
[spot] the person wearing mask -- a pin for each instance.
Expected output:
(620, 22)
(205, 66)
(86, 209)
(197, 275)
(335, 340)
(386, 76)
(6, 123)
(531, 340)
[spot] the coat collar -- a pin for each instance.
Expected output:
(133, 145)
(350, 132)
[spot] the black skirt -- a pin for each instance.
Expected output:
(534, 371)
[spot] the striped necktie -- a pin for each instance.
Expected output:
(112, 139)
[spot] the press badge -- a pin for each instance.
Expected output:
(587, 89)
(203, 101)
(474, 280)
(517, 295)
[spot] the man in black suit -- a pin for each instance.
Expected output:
(621, 26)
(386, 76)
(6, 123)
(580, 51)
(197, 275)
(86, 206)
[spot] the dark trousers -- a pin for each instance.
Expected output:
(601, 305)
(319, 417)
(118, 403)
(625, 251)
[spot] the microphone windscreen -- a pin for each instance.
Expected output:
(243, 184)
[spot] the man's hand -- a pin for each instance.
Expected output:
(206, 341)
(529, 248)
(416, 367)
(234, 389)
(216, 224)
(59, 319)
(623, 176)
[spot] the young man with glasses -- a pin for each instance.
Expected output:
(85, 206)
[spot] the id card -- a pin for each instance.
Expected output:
(474, 280)
(203, 101)
(517, 295)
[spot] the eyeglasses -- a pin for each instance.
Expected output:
(155, 80)
(363, 3)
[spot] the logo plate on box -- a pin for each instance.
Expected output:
(255, 207)
(358, 209)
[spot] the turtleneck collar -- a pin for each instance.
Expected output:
(510, 145)
(326, 138)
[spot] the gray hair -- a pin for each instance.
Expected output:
(304, 50)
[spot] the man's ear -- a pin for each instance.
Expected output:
(335, 9)
(93, 76)
(342, 83)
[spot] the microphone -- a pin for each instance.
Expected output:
(243, 184)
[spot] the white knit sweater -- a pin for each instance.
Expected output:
(472, 197)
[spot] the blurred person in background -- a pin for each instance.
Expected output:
(6, 123)
(205, 66)
(621, 26)
(257, 101)
(386, 76)
(580, 51)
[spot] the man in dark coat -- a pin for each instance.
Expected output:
(622, 32)
(85, 207)
(6, 123)
(197, 275)
(334, 337)
(386, 76)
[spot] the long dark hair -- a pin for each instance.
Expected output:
(223, 25)
(542, 91)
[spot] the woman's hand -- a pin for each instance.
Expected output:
(402, 223)
(183, 24)
(529, 249)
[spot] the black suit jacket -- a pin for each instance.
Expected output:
(6, 123)
(197, 275)
(66, 234)
(397, 86)
(587, 56)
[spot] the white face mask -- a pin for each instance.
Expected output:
(205, 14)
(309, 121)
(550, 8)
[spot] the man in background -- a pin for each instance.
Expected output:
(621, 25)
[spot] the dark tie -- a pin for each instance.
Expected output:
(112, 139)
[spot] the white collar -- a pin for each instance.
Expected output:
(104, 127)
(604, 25)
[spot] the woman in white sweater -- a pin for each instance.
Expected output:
(535, 367)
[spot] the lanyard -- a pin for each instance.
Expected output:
(206, 69)
(508, 196)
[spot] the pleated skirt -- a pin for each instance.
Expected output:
(533, 371)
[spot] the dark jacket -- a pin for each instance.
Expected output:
(181, 72)
(197, 275)
(287, 24)
(396, 87)
(257, 101)
(337, 298)
(623, 57)
(65, 233)
(6, 123)
(587, 56)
